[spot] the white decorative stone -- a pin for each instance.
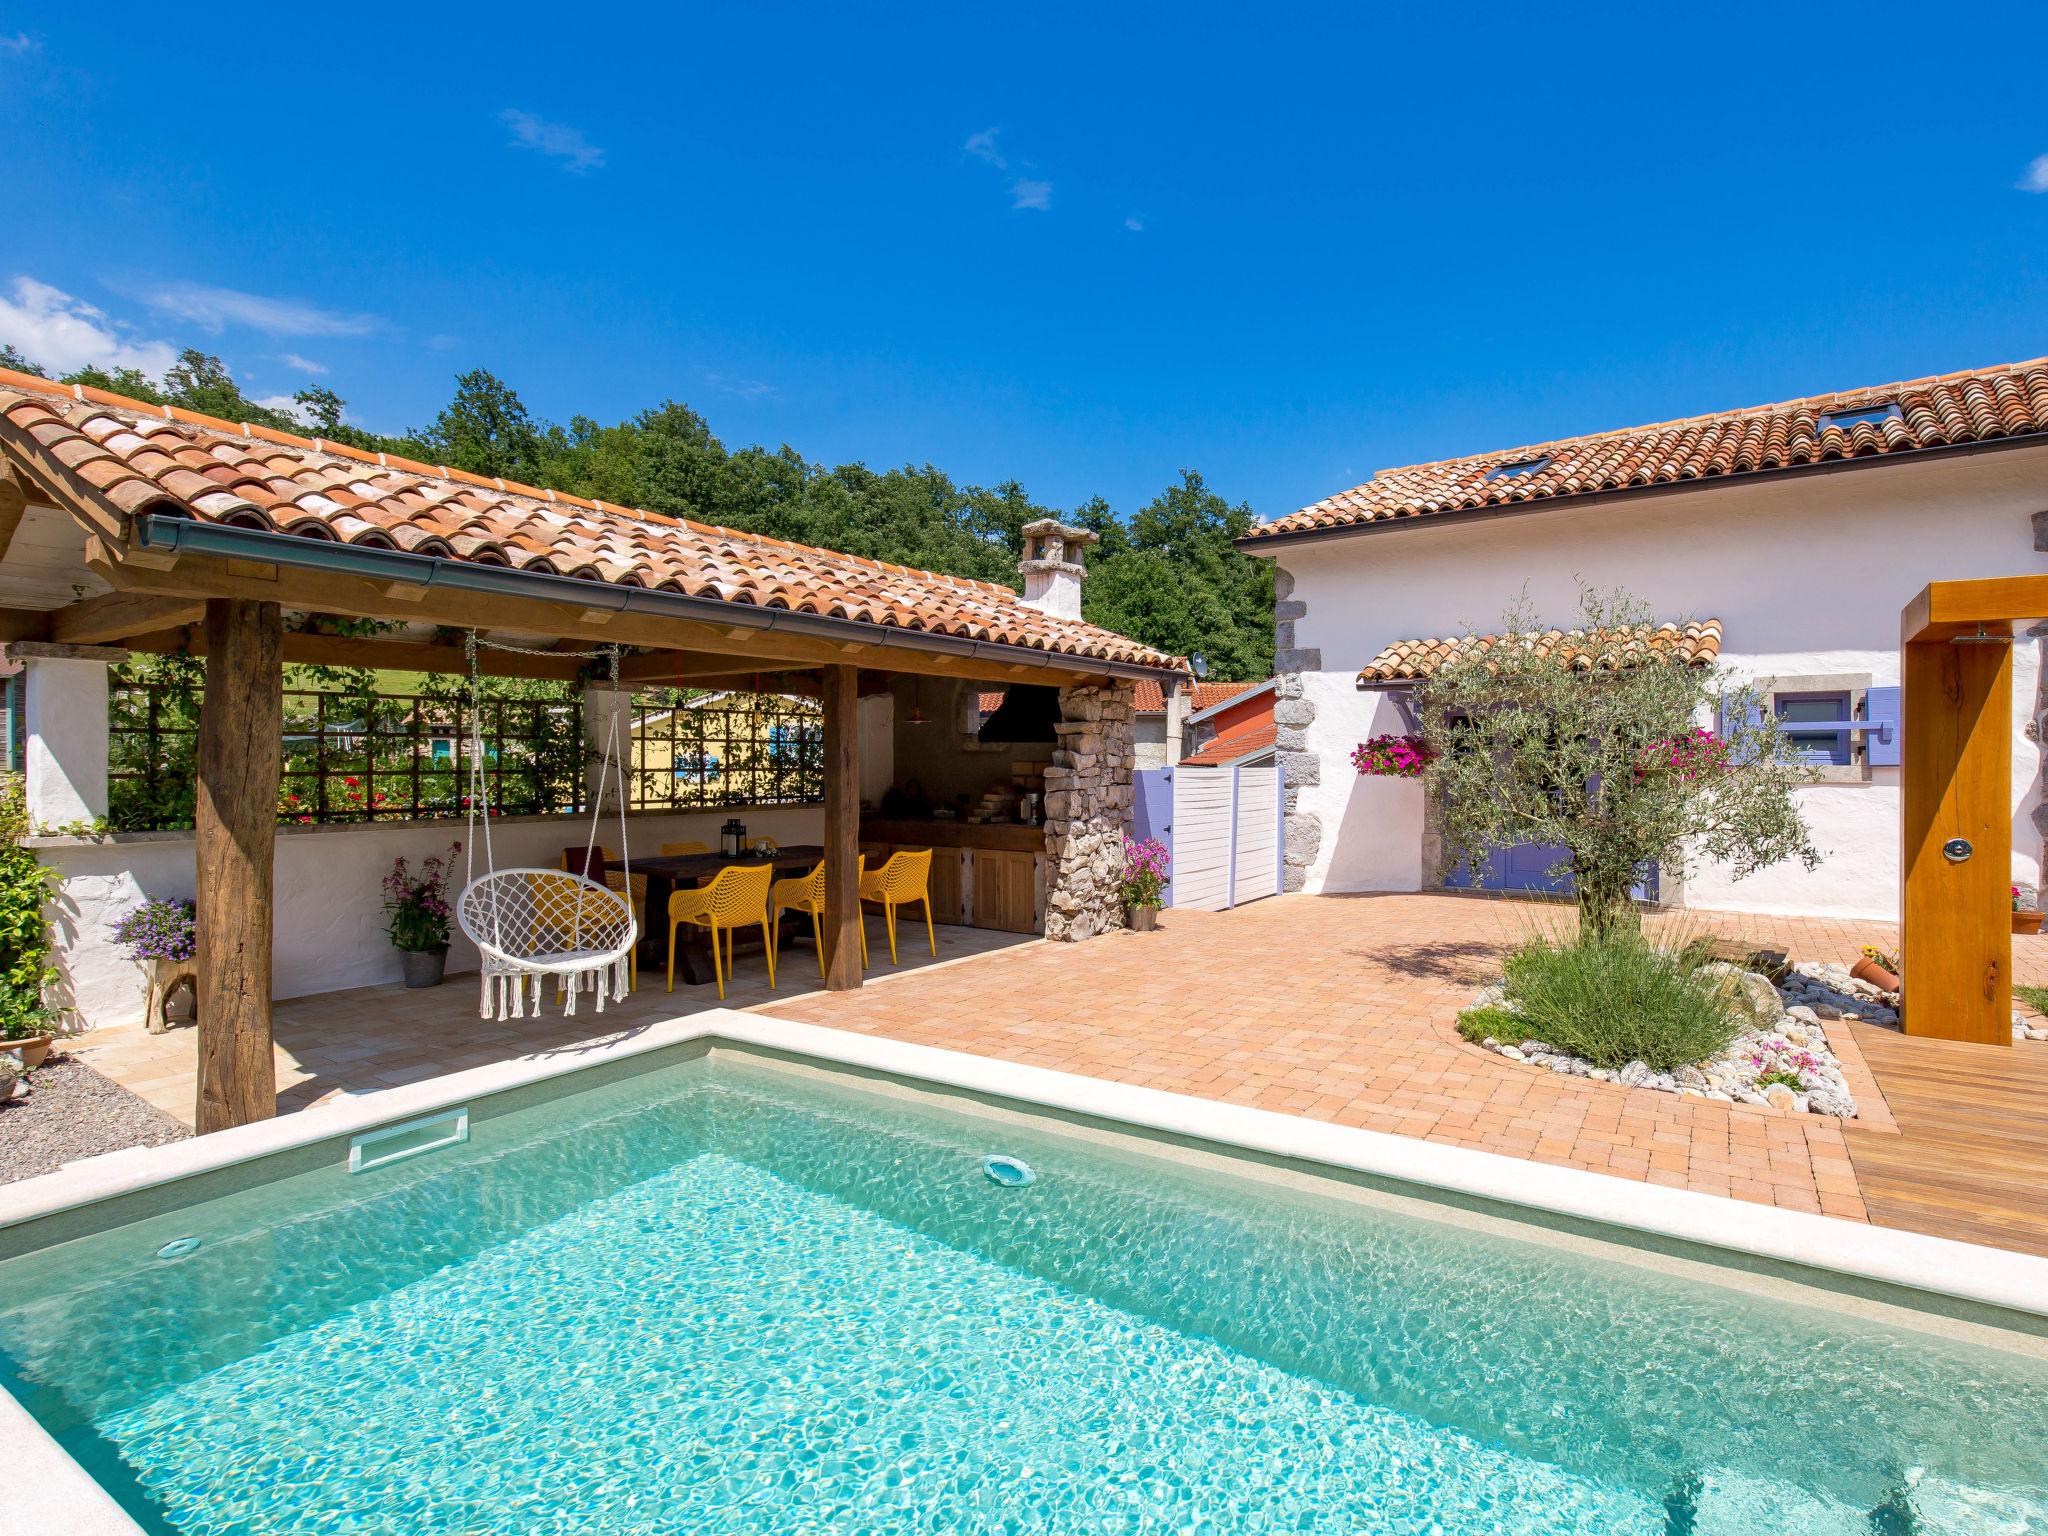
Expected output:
(1783, 1036)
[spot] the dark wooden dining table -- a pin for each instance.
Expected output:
(670, 872)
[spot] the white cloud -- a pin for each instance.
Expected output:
(443, 342)
(745, 389)
(18, 44)
(1025, 191)
(284, 403)
(58, 332)
(558, 140)
(982, 146)
(1135, 223)
(212, 309)
(2036, 179)
(303, 364)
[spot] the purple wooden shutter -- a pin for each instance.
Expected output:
(1884, 704)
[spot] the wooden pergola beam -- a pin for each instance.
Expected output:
(23, 624)
(1945, 609)
(305, 648)
(378, 654)
(13, 503)
(118, 615)
(207, 576)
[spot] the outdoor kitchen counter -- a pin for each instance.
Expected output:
(984, 875)
(924, 832)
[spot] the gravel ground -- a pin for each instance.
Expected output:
(73, 1112)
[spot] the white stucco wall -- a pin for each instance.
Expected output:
(329, 901)
(65, 755)
(1807, 574)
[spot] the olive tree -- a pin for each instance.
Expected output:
(1598, 740)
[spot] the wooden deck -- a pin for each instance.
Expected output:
(1970, 1159)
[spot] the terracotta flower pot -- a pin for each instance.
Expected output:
(2025, 921)
(1869, 970)
(32, 1050)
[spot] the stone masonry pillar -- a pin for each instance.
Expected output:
(1293, 713)
(1087, 803)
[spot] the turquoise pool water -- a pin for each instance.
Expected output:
(729, 1299)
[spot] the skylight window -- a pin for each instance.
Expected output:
(1519, 468)
(1875, 416)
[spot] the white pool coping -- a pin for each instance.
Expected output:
(55, 1496)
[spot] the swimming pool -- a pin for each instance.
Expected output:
(737, 1293)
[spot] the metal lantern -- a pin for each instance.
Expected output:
(735, 837)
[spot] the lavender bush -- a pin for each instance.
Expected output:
(159, 930)
(417, 904)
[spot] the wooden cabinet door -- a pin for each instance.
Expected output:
(945, 885)
(1004, 888)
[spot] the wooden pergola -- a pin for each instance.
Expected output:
(1956, 642)
(163, 580)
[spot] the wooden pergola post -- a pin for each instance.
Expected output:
(842, 828)
(1955, 942)
(1957, 707)
(241, 726)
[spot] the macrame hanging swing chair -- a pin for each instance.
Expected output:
(530, 924)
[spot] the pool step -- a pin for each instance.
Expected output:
(1942, 1508)
(1726, 1503)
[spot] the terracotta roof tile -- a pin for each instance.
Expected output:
(1252, 736)
(1695, 644)
(141, 457)
(1203, 696)
(1150, 700)
(1970, 407)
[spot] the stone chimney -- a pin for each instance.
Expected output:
(1052, 567)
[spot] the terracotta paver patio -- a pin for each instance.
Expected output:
(1340, 1008)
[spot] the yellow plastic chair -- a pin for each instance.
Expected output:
(670, 850)
(635, 892)
(736, 899)
(907, 877)
(806, 893)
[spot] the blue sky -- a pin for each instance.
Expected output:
(1077, 249)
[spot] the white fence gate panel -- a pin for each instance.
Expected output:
(1225, 835)
(1201, 838)
(1256, 869)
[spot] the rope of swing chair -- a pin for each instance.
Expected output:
(609, 763)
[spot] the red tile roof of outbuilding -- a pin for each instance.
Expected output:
(141, 458)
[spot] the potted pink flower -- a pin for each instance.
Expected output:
(416, 912)
(1144, 882)
(2026, 917)
(1391, 757)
